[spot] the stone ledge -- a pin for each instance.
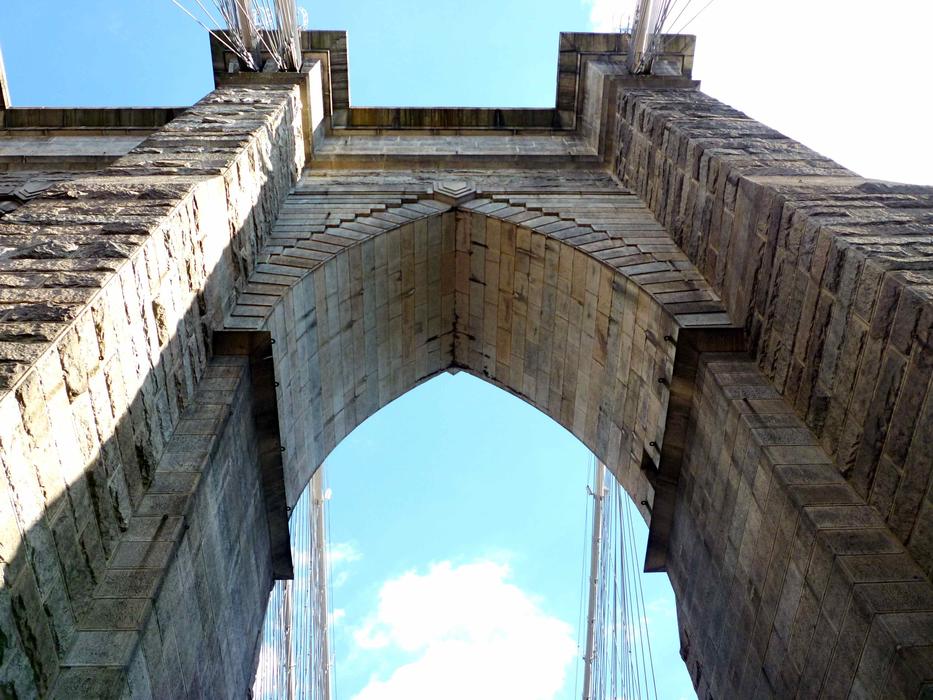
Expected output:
(88, 118)
(443, 119)
(257, 346)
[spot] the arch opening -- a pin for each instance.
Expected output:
(459, 290)
(456, 288)
(561, 290)
(456, 498)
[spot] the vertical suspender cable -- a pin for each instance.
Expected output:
(594, 582)
(640, 37)
(320, 563)
(618, 661)
(584, 586)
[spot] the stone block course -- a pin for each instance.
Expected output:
(817, 263)
(821, 566)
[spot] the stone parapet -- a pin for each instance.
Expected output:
(87, 120)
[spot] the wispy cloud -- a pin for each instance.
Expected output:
(340, 553)
(339, 556)
(608, 15)
(472, 634)
(337, 615)
(661, 611)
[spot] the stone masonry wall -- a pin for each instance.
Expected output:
(787, 584)
(180, 604)
(370, 285)
(830, 273)
(365, 302)
(134, 556)
(109, 287)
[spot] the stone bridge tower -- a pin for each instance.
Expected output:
(197, 305)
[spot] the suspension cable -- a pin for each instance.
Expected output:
(618, 658)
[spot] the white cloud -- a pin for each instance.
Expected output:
(340, 553)
(608, 15)
(472, 634)
(339, 556)
(337, 615)
(660, 611)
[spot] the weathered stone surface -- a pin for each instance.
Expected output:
(799, 521)
(831, 275)
(182, 581)
(834, 561)
(110, 284)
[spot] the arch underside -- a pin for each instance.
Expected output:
(562, 295)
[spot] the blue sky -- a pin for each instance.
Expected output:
(458, 516)
(458, 487)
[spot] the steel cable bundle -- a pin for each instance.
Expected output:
(294, 657)
(652, 20)
(253, 28)
(618, 661)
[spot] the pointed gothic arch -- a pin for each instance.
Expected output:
(530, 292)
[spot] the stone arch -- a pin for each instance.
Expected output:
(531, 293)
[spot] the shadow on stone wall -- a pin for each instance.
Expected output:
(115, 414)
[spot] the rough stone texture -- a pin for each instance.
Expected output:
(429, 240)
(20, 186)
(787, 584)
(174, 592)
(111, 285)
(831, 274)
